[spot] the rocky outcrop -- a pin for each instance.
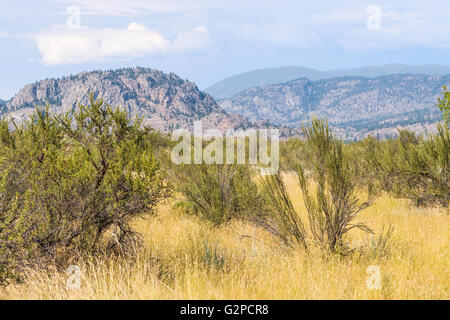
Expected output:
(165, 101)
(356, 105)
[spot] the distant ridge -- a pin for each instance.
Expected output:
(268, 76)
(354, 106)
(164, 100)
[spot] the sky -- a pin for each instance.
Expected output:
(207, 40)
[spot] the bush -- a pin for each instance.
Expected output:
(333, 208)
(217, 193)
(444, 105)
(292, 152)
(416, 169)
(66, 181)
(278, 215)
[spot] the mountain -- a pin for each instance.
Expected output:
(165, 101)
(355, 106)
(237, 83)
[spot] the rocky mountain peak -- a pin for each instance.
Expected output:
(164, 100)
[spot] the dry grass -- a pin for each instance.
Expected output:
(185, 258)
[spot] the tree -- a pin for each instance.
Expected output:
(444, 105)
(66, 182)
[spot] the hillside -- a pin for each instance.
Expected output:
(237, 83)
(165, 101)
(354, 105)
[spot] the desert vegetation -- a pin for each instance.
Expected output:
(97, 190)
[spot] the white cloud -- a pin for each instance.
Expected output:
(63, 46)
(263, 23)
(4, 34)
(196, 40)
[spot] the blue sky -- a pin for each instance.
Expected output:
(207, 40)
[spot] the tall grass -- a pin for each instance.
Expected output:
(184, 258)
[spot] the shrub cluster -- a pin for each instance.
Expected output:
(217, 193)
(414, 167)
(71, 184)
(66, 182)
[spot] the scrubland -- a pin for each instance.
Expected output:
(182, 257)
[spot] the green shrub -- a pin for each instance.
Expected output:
(292, 151)
(335, 205)
(332, 204)
(217, 193)
(67, 181)
(278, 215)
(414, 167)
(417, 169)
(444, 105)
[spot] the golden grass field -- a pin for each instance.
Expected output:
(184, 258)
